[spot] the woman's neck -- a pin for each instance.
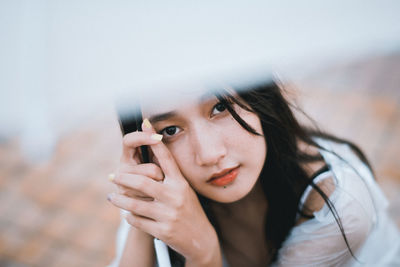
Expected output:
(254, 202)
(241, 228)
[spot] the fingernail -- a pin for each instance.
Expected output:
(147, 123)
(111, 177)
(157, 137)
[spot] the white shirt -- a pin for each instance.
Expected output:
(362, 209)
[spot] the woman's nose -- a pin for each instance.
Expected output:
(209, 147)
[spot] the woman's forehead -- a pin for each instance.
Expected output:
(175, 101)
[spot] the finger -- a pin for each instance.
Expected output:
(147, 169)
(163, 155)
(140, 183)
(123, 190)
(138, 207)
(129, 192)
(144, 224)
(132, 141)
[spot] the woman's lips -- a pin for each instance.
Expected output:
(226, 178)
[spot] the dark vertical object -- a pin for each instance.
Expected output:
(131, 121)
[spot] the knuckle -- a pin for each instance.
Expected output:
(179, 202)
(126, 140)
(140, 184)
(137, 223)
(173, 216)
(132, 220)
(168, 232)
(155, 171)
(133, 206)
(122, 190)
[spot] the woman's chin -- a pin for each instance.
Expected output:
(229, 193)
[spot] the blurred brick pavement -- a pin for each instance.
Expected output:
(56, 214)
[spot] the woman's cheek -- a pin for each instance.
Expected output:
(182, 157)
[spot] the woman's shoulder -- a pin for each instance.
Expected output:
(329, 199)
(345, 184)
(312, 200)
(350, 197)
(354, 179)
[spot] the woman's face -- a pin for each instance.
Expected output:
(220, 159)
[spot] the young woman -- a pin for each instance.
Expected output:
(237, 181)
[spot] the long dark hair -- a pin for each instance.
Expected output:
(283, 178)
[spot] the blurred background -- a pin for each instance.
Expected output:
(63, 62)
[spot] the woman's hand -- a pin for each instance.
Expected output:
(162, 203)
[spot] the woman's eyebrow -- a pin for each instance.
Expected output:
(162, 116)
(167, 115)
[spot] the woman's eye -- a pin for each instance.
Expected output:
(170, 131)
(218, 108)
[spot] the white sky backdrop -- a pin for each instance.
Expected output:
(62, 61)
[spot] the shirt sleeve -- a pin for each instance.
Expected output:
(319, 241)
(121, 237)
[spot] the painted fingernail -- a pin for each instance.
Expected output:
(147, 123)
(111, 177)
(157, 137)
